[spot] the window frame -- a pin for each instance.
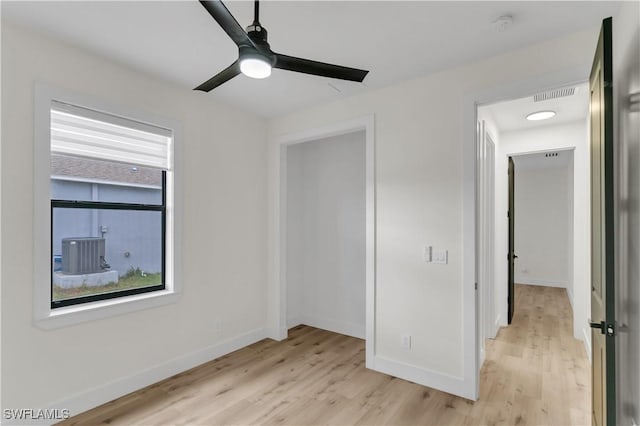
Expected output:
(45, 315)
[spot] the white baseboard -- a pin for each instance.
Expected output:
(294, 321)
(587, 341)
(496, 326)
(542, 282)
(425, 377)
(433, 379)
(84, 401)
(346, 328)
(277, 334)
(570, 294)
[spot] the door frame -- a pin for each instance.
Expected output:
(511, 238)
(471, 101)
(486, 235)
(279, 262)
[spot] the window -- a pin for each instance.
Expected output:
(108, 206)
(104, 213)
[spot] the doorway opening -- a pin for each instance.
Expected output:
(322, 205)
(558, 149)
(326, 224)
(540, 230)
(534, 302)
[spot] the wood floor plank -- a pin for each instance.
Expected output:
(535, 373)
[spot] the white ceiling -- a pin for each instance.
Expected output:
(511, 115)
(395, 40)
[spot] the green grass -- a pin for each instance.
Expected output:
(132, 279)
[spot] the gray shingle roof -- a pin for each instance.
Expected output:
(93, 169)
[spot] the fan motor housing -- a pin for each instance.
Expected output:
(257, 33)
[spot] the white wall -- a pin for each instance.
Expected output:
(295, 242)
(542, 201)
(326, 234)
(552, 137)
(420, 143)
(221, 181)
(626, 83)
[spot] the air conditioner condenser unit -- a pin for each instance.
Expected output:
(83, 255)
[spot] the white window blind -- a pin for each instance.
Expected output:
(83, 132)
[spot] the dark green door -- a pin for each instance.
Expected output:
(602, 233)
(511, 257)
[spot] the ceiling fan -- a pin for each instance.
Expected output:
(255, 57)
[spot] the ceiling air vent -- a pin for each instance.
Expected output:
(553, 94)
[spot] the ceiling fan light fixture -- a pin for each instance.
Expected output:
(540, 115)
(255, 57)
(255, 67)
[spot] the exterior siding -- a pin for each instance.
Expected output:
(133, 238)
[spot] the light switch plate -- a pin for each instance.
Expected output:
(426, 253)
(440, 256)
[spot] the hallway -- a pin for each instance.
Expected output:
(536, 373)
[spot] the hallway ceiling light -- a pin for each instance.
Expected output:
(540, 115)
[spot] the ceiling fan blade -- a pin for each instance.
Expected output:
(319, 68)
(225, 19)
(220, 78)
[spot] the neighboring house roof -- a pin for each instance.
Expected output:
(81, 168)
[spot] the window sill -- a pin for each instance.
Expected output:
(71, 315)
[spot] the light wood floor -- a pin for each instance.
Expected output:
(535, 374)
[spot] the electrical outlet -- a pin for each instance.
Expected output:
(406, 341)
